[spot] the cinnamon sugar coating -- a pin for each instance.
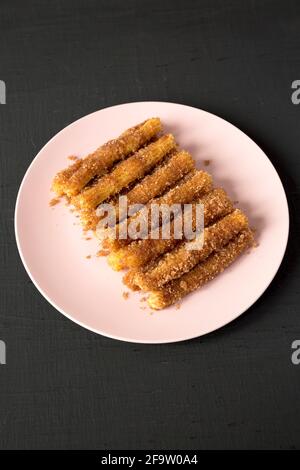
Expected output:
(140, 252)
(201, 273)
(185, 192)
(181, 260)
(126, 172)
(152, 171)
(100, 161)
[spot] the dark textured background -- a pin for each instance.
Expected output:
(64, 387)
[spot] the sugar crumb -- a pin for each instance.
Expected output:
(54, 201)
(102, 253)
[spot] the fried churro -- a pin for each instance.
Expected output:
(201, 273)
(182, 259)
(185, 192)
(159, 181)
(99, 162)
(155, 243)
(140, 252)
(125, 173)
(179, 166)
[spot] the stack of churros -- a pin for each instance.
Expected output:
(149, 170)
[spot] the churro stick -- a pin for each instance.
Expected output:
(184, 193)
(202, 273)
(181, 260)
(99, 162)
(199, 183)
(152, 185)
(159, 181)
(113, 240)
(126, 172)
(59, 182)
(140, 252)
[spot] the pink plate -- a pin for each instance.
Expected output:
(54, 250)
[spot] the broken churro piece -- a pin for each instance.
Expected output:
(181, 260)
(140, 252)
(202, 273)
(126, 172)
(99, 162)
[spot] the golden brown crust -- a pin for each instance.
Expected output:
(60, 180)
(202, 273)
(185, 192)
(179, 164)
(181, 260)
(100, 161)
(126, 172)
(129, 280)
(140, 252)
(152, 171)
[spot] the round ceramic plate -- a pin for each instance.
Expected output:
(63, 264)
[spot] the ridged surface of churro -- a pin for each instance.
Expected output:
(184, 193)
(202, 273)
(90, 219)
(181, 260)
(140, 252)
(126, 172)
(99, 162)
(200, 183)
(159, 181)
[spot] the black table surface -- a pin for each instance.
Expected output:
(67, 388)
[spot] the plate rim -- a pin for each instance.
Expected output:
(104, 333)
